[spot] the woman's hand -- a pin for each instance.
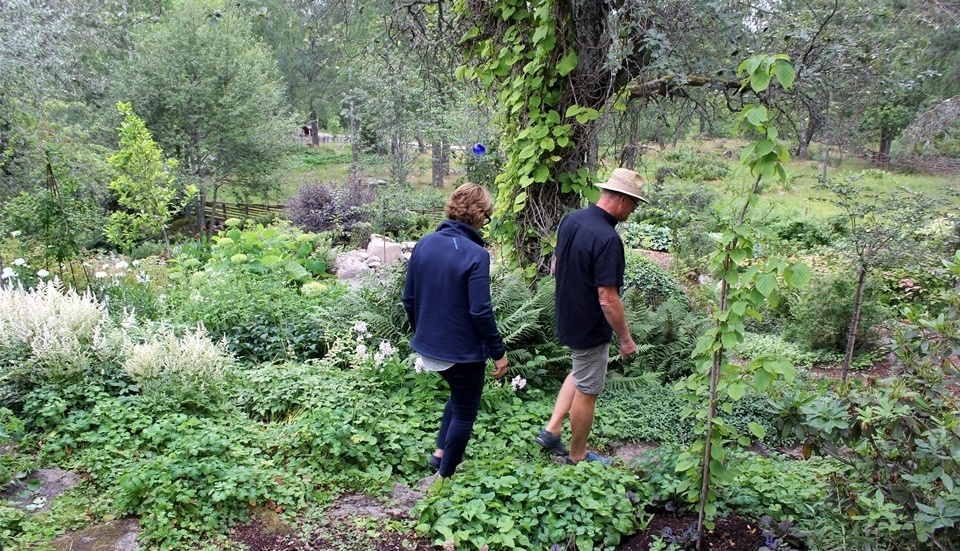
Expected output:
(500, 367)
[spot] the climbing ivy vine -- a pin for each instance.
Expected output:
(528, 59)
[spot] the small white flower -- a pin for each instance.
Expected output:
(15, 233)
(122, 265)
(361, 352)
(518, 383)
(386, 348)
(100, 275)
(106, 267)
(360, 327)
(41, 273)
(19, 262)
(136, 262)
(418, 365)
(8, 273)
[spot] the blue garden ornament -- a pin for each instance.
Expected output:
(478, 149)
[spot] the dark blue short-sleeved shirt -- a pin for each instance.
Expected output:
(589, 255)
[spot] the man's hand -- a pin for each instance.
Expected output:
(500, 367)
(627, 347)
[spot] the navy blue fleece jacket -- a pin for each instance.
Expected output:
(447, 297)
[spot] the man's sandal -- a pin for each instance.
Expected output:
(605, 461)
(551, 442)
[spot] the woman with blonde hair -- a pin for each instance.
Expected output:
(447, 300)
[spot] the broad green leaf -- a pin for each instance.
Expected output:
(567, 64)
(759, 81)
(766, 283)
(785, 73)
(756, 429)
(737, 390)
(541, 174)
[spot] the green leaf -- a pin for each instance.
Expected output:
(737, 390)
(797, 275)
(541, 174)
(567, 64)
(296, 272)
(785, 73)
(759, 81)
(756, 429)
(470, 34)
(766, 283)
(757, 115)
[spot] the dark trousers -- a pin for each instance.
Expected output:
(466, 387)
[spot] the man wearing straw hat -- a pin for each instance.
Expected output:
(589, 263)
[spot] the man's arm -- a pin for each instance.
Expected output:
(613, 310)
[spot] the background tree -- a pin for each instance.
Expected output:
(144, 186)
(211, 93)
(880, 235)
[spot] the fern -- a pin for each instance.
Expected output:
(666, 336)
(525, 318)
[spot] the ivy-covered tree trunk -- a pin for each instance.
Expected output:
(552, 62)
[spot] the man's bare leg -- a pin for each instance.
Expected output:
(581, 420)
(562, 407)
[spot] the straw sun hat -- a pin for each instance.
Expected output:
(626, 182)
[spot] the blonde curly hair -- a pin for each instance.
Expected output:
(471, 204)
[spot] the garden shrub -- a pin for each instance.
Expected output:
(653, 284)
(261, 318)
(642, 412)
(405, 213)
(195, 475)
(320, 207)
(803, 231)
(646, 236)
(278, 250)
(688, 211)
(693, 166)
(821, 317)
(896, 438)
(776, 486)
(755, 345)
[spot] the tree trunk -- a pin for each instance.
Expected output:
(314, 127)
(883, 158)
(824, 163)
(803, 149)
(854, 319)
(437, 165)
(201, 212)
(628, 157)
(354, 150)
(445, 156)
(213, 211)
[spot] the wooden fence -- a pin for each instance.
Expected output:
(224, 211)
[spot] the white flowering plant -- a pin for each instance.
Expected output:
(180, 371)
(55, 334)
